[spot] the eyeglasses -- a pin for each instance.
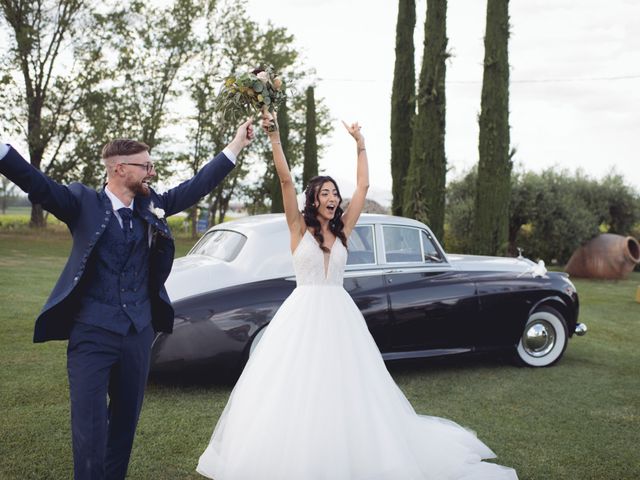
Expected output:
(148, 166)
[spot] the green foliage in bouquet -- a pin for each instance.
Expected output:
(244, 94)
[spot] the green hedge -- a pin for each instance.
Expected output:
(14, 222)
(20, 223)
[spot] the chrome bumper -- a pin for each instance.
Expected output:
(581, 329)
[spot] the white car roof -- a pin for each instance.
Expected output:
(273, 222)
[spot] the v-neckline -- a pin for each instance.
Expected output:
(325, 255)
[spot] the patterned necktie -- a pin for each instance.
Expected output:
(126, 214)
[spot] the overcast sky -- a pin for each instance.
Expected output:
(575, 80)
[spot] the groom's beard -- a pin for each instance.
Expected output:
(141, 188)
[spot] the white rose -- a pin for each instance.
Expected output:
(263, 77)
(158, 212)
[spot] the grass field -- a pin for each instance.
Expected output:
(578, 420)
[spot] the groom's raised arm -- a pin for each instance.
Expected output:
(191, 191)
(53, 197)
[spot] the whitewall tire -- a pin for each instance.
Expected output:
(543, 339)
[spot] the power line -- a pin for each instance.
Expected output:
(561, 80)
(540, 80)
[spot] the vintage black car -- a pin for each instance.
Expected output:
(417, 300)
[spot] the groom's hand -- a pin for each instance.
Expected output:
(244, 136)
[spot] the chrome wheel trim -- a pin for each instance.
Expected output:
(539, 338)
(536, 349)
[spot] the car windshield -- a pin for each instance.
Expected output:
(221, 244)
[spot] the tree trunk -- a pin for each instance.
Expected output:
(37, 219)
(310, 168)
(403, 101)
(490, 233)
(193, 220)
(6, 189)
(424, 195)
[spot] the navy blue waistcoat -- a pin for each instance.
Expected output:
(114, 291)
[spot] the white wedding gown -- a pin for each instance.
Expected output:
(316, 402)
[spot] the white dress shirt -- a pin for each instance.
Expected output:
(116, 204)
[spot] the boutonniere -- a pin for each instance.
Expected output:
(158, 212)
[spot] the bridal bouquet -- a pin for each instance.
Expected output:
(245, 93)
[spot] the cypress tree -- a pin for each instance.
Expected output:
(491, 219)
(424, 194)
(310, 168)
(403, 101)
(277, 205)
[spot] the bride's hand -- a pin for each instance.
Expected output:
(269, 122)
(354, 131)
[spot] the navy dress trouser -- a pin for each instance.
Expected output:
(101, 363)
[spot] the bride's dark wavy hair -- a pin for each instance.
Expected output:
(310, 212)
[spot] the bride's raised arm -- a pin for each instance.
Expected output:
(352, 213)
(295, 220)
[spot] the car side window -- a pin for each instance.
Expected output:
(361, 246)
(401, 244)
(429, 250)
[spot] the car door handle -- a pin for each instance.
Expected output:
(390, 279)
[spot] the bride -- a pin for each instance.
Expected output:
(315, 400)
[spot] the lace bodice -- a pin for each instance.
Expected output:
(309, 262)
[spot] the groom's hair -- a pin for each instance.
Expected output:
(123, 146)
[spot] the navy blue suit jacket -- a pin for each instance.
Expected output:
(86, 213)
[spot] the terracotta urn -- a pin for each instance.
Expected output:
(607, 256)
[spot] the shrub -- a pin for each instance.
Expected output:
(20, 223)
(14, 222)
(459, 210)
(177, 225)
(560, 219)
(550, 214)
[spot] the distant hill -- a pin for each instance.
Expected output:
(370, 206)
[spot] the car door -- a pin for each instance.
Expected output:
(364, 280)
(432, 305)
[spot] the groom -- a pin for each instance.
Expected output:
(110, 298)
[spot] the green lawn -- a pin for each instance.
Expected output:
(578, 420)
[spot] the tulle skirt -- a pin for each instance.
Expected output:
(316, 402)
